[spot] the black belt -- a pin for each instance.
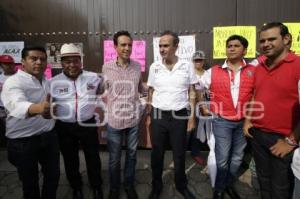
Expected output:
(169, 112)
(89, 121)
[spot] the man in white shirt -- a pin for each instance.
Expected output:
(29, 129)
(7, 64)
(74, 92)
(171, 91)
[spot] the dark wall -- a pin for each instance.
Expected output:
(92, 21)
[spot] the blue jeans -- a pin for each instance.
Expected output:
(229, 150)
(114, 142)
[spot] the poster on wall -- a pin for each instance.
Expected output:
(138, 52)
(294, 29)
(13, 48)
(53, 53)
(221, 34)
(185, 51)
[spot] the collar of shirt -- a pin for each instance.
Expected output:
(27, 75)
(119, 65)
(175, 67)
(290, 57)
(66, 76)
(243, 64)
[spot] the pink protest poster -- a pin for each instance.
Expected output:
(138, 52)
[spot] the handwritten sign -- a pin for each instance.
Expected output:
(138, 52)
(221, 34)
(294, 29)
(13, 49)
(186, 47)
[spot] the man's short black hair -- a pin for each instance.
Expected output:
(283, 28)
(121, 33)
(31, 48)
(173, 34)
(240, 38)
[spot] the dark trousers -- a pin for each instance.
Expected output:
(274, 174)
(3, 140)
(70, 137)
(26, 154)
(166, 129)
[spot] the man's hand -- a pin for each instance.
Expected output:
(191, 124)
(43, 108)
(148, 109)
(148, 123)
(281, 148)
(246, 127)
(46, 107)
(205, 111)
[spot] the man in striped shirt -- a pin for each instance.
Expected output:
(123, 84)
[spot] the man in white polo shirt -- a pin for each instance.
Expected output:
(29, 129)
(171, 90)
(74, 92)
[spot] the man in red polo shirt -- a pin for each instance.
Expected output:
(275, 112)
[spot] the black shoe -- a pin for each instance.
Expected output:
(114, 194)
(131, 193)
(155, 192)
(77, 194)
(186, 193)
(232, 193)
(97, 193)
(218, 195)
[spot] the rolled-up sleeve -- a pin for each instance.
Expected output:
(192, 74)
(205, 79)
(14, 100)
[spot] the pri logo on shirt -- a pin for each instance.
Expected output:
(249, 73)
(90, 86)
(63, 90)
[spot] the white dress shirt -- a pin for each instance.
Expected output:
(171, 87)
(19, 92)
(75, 100)
(234, 81)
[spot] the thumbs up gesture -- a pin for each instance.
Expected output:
(43, 108)
(46, 107)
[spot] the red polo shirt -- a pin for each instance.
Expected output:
(277, 91)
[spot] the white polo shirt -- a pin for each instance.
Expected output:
(171, 87)
(234, 81)
(75, 100)
(19, 92)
